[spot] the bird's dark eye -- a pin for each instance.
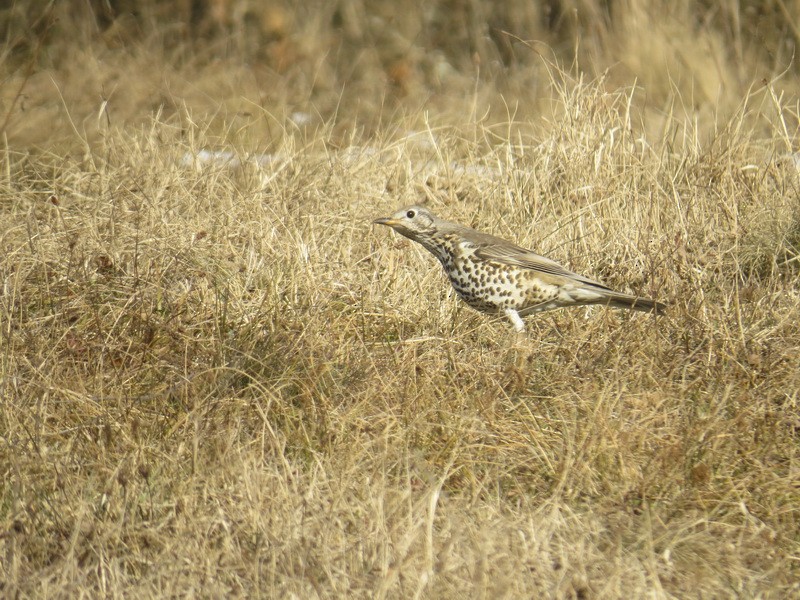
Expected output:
(411, 214)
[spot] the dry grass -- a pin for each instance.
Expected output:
(219, 380)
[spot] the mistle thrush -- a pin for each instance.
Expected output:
(495, 276)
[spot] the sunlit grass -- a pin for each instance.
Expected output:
(219, 379)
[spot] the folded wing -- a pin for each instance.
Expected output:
(517, 256)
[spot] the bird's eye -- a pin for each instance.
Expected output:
(411, 214)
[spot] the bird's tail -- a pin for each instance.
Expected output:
(617, 300)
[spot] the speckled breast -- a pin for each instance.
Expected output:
(492, 287)
(484, 285)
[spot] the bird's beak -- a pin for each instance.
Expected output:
(386, 221)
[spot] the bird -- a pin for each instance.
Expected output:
(495, 276)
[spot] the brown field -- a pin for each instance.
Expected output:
(218, 379)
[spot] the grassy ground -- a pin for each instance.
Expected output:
(218, 379)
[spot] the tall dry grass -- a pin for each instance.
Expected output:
(217, 379)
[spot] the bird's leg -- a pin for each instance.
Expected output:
(517, 352)
(515, 319)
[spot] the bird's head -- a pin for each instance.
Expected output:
(415, 222)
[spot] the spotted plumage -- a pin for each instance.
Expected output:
(495, 276)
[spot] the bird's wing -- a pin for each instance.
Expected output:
(517, 256)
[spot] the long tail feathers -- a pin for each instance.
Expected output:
(634, 303)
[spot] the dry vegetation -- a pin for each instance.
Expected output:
(218, 380)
